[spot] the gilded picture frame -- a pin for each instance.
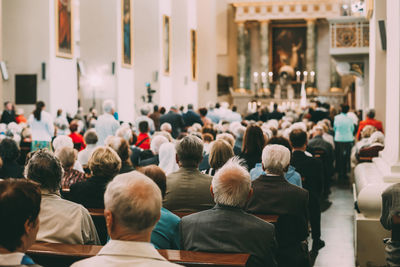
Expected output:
(64, 28)
(193, 51)
(166, 45)
(126, 34)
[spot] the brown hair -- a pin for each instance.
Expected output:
(104, 162)
(220, 153)
(157, 175)
(253, 140)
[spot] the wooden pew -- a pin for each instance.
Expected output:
(53, 254)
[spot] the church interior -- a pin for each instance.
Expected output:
(154, 72)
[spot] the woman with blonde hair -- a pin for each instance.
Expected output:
(221, 151)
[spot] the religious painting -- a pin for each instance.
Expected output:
(166, 44)
(357, 67)
(193, 50)
(64, 28)
(289, 44)
(127, 22)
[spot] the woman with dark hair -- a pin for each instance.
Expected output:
(77, 138)
(42, 127)
(253, 144)
(9, 153)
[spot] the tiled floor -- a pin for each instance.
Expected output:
(337, 231)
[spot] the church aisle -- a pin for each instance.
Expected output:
(337, 231)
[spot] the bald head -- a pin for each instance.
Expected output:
(231, 185)
(134, 200)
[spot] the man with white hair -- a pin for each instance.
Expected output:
(155, 145)
(130, 219)
(273, 194)
(144, 112)
(188, 188)
(226, 228)
(106, 124)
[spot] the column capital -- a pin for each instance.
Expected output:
(240, 22)
(264, 21)
(310, 20)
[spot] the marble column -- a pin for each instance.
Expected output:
(310, 53)
(264, 46)
(241, 55)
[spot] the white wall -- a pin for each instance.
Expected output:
(323, 57)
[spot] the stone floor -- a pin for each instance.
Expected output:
(337, 231)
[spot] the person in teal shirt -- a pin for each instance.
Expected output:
(344, 136)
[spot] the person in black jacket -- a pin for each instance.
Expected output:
(8, 113)
(9, 153)
(104, 165)
(311, 170)
(191, 117)
(175, 119)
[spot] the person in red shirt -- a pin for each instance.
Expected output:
(77, 138)
(370, 120)
(143, 139)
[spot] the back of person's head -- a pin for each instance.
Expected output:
(104, 162)
(189, 151)
(59, 112)
(190, 106)
(253, 140)
(44, 168)
(143, 126)
(275, 106)
(217, 105)
(156, 174)
(9, 150)
(62, 141)
(227, 137)
(220, 152)
(91, 137)
(73, 126)
(280, 140)
(156, 143)
(67, 157)
(207, 138)
(155, 108)
(345, 108)
(166, 126)
(38, 110)
(124, 132)
(367, 131)
(108, 106)
(234, 108)
(203, 112)
(298, 138)
(276, 159)
(371, 113)
(377, 137)
(134, 201)
(318, 130)
(145, 110)
(162, 110)
(19, 210)
(119, 145)
(231, 184)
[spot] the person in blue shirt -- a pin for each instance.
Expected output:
(344, 136)
(291, 175)
(165, 234)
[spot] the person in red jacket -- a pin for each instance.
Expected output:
(370, 120)
(143, 139)
(77, 138)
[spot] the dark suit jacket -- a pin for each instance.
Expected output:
(11, 170)
(153, 160)
(176, 122)
(90, 193)
(224, 229)
(191, 117)
(311, 169)
(7, 117)
(275, 195)
(318, 143)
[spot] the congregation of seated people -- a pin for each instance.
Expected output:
(219, 169)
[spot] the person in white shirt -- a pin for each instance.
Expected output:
(19, 224)
(106, 124)
(61, 221)
(42, 127)
(130, 219)
(91, 141)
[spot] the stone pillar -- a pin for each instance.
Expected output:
(310, 53)
(264, 46)
(241, 55)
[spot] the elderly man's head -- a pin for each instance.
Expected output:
(45, 169)
(189, 151)
(156, 143)
(166, 127)
(231, 184)
(275, 159)
(108, 106)
(67, 156)
(132, 206)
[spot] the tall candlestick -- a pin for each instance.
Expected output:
(263, 78)
(255, 77)
(298, 73)
(312, 74)
(271, 76)
(305, 74)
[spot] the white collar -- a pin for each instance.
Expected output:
(9, 259)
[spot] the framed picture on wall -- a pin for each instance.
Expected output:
(166, 44)
(127, 33)
(193, 51)
(64, 28)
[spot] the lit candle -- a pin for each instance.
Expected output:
(305, 73)
(255, 77)
(249, 106)
(298, 73)
(263, 78)
(312, 74)
(271, 76)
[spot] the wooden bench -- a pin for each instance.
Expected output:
(53, 254)
(268, 218)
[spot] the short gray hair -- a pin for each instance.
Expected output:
(124, 132)
(108, 105)
(232, 184)
(62, 141)
(227, 137)
(144, 110)
(275, 159)
(135, 201)
(166, 126)
(156, 143)
(190, 151)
